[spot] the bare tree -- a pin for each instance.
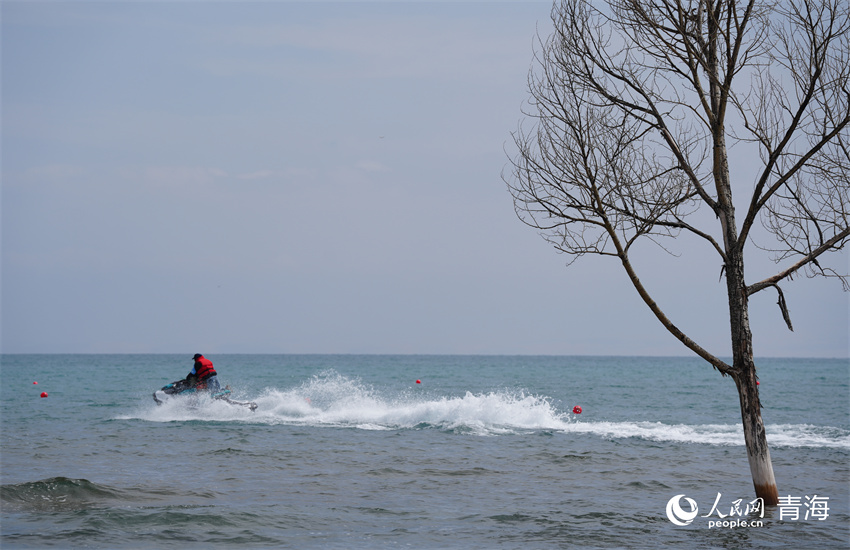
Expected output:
(635, 107)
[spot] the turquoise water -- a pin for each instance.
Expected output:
(351, 452)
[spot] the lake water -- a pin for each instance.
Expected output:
(352, 452)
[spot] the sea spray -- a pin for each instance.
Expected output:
(330, 399)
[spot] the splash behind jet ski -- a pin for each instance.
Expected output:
(182, 389)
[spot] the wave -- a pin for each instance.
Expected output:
(332, 400)
(778, 435)
(56, 493)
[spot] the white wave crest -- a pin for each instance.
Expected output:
(329, 399)
(333, 400)
(784, 435)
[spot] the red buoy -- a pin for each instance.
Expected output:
(576, 410)
(35, 382)
(44, 394)
(419, 381)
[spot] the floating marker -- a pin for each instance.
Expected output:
(576, 410)
(419, 381)
(44, 394)
(35, 382)
(757, 382)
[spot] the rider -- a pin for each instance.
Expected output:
(203, 375)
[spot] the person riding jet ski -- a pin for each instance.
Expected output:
(203, 375)
(202, 378)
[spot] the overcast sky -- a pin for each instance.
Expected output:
(280, 177)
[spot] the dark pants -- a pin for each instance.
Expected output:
(212, 384)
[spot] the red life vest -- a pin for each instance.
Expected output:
(204, 368)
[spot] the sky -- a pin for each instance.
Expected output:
(314, 177)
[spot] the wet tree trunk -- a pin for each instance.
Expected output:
(758, 453)
(744, 374)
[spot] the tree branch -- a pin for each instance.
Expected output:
(758, 202)
(717, 363)
(828, 245)
(783, 307)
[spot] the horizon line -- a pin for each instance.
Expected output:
(412, 354)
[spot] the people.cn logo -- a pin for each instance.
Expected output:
(679, 516)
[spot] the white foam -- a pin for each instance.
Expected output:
(785, 435)
(344, 404)
(183, 409)
(330, 399)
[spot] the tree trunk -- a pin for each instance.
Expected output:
(744, 374)
(758, 453)
(743, 365)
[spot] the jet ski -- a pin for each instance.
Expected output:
(183, 388)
